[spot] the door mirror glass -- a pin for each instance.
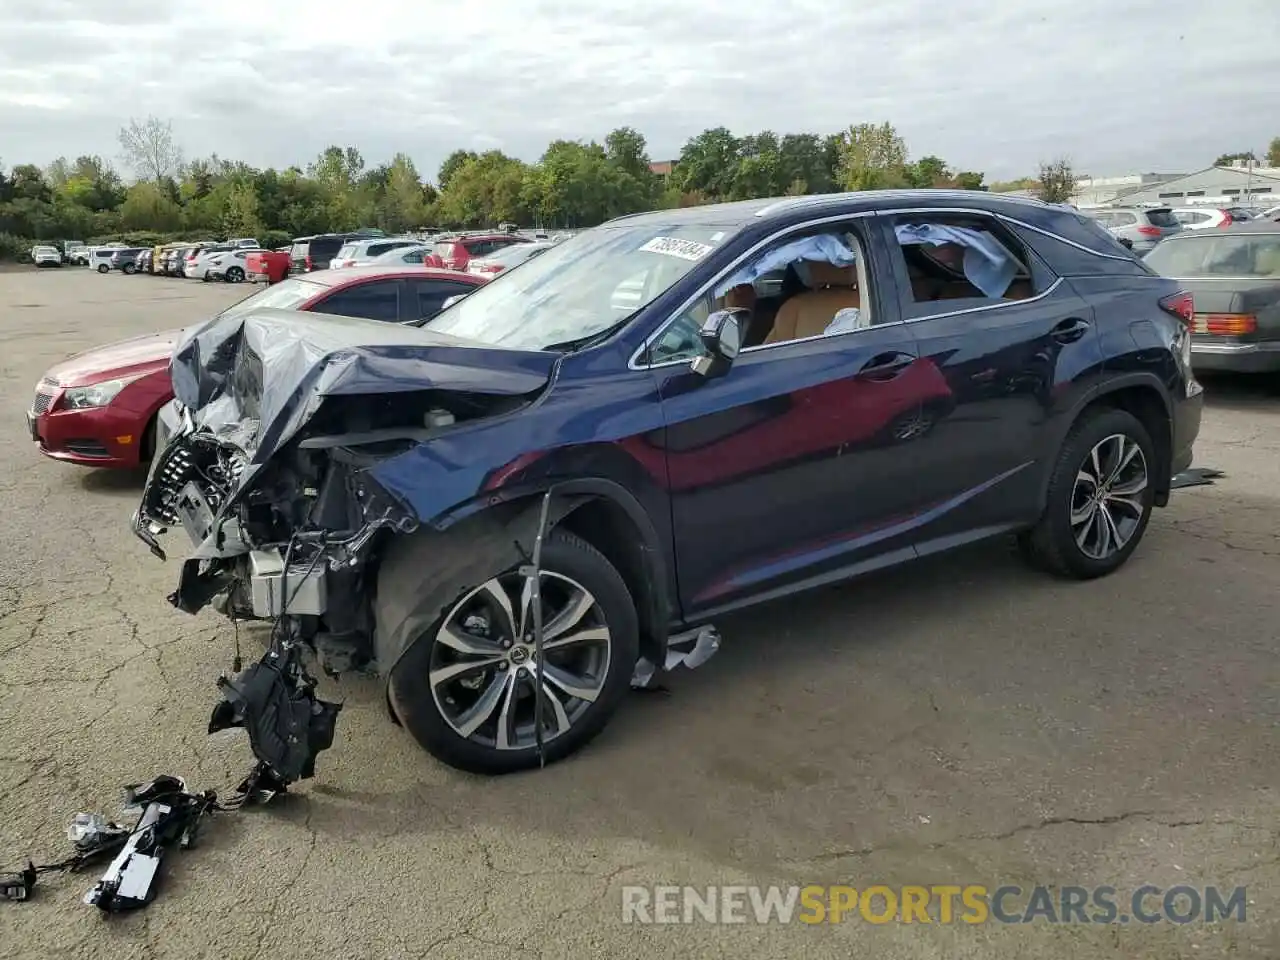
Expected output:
(721, 336)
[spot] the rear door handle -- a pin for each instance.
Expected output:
(886, 366)
(1070, 330)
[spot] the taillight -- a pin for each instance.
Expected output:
(308, 261)
(1150, 231)
(1181, 304)
(1224, 324)
(1227, 220)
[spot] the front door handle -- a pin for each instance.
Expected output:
(1070, 330)
(886, 366)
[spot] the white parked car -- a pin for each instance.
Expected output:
(402, 255)
(245, 243)
(199, 263)
(99, 258)
(46, 256)
(358, 253)
(1202, 218)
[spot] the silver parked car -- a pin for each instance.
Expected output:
(1139, 228)
(359, 253)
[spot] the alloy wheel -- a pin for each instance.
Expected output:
(484, 664)
(1108, 500)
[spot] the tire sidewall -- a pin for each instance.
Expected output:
(1075, 453)
(416, 709)
(235, 275)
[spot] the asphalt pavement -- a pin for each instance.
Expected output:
(961, 721)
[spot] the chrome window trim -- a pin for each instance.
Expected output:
(634, 364)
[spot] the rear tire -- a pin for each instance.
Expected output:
(103, 268)
(129, 268)
(437, 709)
(1100, 498)
(235, 275)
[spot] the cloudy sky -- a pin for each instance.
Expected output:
(991, 85)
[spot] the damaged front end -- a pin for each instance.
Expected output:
(268, 459)
(293, 545)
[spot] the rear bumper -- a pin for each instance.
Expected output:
(1187, 413)
(1258, 357)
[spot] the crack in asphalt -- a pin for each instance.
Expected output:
(270, 914)
(906, 845)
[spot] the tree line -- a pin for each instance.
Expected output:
(574, 184)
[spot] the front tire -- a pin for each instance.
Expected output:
(235, 275)
(1100, 498)
(129, 268)
(464, 688)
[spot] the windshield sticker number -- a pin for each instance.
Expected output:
(672, 247)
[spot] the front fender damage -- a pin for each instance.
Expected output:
(279, 422)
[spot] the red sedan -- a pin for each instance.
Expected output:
(98, 408)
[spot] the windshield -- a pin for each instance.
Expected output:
(285, 295)
(1241, 255)
(580, 287)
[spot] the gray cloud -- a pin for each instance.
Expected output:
(1144, 85)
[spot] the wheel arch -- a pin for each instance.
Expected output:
(458, 551)
(1144, 396)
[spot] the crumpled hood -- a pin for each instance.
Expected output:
(260, 375)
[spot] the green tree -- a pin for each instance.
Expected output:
(1229, 158)
(1273, 152)
(146, 207)
(451, 164)
(872, 157)
(404, 201)
(484, 191)
(240, 217)
(708, 164)
(803, 159)
(1057, 181)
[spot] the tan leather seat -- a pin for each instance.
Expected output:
(807, 314)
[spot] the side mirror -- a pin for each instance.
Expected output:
(452, 300)
(721, 336)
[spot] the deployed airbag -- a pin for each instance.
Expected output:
(987, 264)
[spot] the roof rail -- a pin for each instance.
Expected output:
(791, 203)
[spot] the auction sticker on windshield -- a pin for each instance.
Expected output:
(673, 247)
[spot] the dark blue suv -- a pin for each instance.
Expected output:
(551, 491)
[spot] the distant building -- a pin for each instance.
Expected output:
(1238, 183)
(1104, 191)
(662, 168)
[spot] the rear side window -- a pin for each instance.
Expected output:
(1214, 255)
(967, 258)
(1162, 218)
(443, 249)
(348, 250)
(324, 248)
(299, 250)
(378, 300)
(1124, 219)
(478, 248)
